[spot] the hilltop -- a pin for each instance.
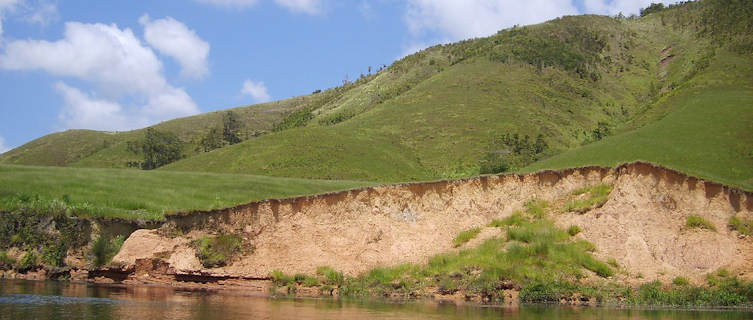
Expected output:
(672, 87)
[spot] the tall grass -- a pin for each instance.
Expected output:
(465, 236)
(135, 194)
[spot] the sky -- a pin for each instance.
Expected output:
(121, 65)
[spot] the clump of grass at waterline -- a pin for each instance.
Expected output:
(722, 290)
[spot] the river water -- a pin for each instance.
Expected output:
(62, 300)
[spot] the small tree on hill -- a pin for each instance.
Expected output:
(654, 7)
(160, 148)
(212, 140)
(231, 127)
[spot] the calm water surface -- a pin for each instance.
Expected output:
(60, 300)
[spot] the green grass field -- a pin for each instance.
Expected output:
(705, 129)
(133, 194)
(440, 112)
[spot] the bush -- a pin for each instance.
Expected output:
(217, 251)
(493, 163)
(697, 222)
(6, 261)
(160, 148)
(104, 249)
(573, 230)
(465, 236)
(28, 261)
(54, 254)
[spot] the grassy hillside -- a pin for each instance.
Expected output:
(133, 194)
(672, 87)
(705, 128)
(87, 148)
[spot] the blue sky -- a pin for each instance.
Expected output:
(119, 65)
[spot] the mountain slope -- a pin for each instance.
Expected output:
(560, 79)
(707, 129)
(548, 93)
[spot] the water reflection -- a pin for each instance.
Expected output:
(60, 300)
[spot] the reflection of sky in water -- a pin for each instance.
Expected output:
(43, 300)
(62, 300)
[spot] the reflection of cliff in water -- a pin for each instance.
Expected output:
(62, 300)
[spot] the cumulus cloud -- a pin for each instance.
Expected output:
(612, 7)
(478, 18)
(172, 38)
(3, 147)
(83, 111)
(256, 90)
(116, 62)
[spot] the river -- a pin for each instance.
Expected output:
(63, 300)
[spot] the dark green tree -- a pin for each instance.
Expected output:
(160, 148)
(231, 127)
(654, 7)
(212, 140)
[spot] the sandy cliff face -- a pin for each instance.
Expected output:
(642, 225)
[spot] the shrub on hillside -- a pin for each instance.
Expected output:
(160, 148)
(217, 251)
(104, 249)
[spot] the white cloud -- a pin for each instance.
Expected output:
(478, 18)
(612, 7)
(83, 111)
(230, 3)
(3, 147)
(311, 7)
(256, 90)
(172, 38)
(116, 62)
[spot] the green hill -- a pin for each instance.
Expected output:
(673, 87)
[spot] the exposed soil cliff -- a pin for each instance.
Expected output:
(642, 225)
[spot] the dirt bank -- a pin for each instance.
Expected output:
(642, 225)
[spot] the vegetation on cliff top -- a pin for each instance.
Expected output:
(147, 195)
